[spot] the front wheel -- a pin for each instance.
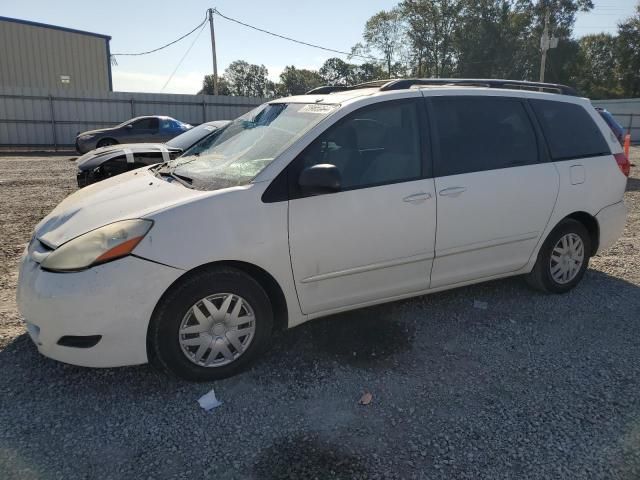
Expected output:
(211, 325)
(106, 142)
(563, 258)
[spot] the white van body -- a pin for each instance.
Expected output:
(326, 253)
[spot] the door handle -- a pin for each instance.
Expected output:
(417, 197)
(452, 191)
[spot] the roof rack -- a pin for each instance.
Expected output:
(405, 83)
(341, 88)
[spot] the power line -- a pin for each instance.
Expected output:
(183, 57)
(163, 46)
(366, 57)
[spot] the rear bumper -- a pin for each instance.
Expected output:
(94, 318)
(611, 221)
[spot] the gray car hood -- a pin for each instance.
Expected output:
(97, 157)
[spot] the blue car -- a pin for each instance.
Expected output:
(150, 129)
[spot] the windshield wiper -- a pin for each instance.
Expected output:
(165, 171)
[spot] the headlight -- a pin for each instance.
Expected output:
(86, 137)
(98, 246)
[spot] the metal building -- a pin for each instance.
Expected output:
(38, 55)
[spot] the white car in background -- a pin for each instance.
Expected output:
(321, 203)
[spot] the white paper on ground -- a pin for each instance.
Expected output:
(209, 401)
(480, 305)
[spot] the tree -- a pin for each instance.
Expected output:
(207, 86)
(383, 34)
(431, 29)
(628, 50)
(294, 81)
(336, 71)
(366, 72)
(245, 79)
(491, 40)
(596, 66)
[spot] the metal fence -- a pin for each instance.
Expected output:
(39, 118)
(42, 118)
(626, 112)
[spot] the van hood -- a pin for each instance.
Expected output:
(127, 196)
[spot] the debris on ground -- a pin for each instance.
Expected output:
(480, 305)
(209, 401)
(366, 398)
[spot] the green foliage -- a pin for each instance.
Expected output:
(383, 35)
(597, 66)
(245, 79)
(294, 81)
(470, 39)
(336, 71)
(207, 86)
(628, 45)
(431, 32)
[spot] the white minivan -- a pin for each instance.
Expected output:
(321, 203)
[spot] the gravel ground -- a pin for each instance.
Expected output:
(533, 386)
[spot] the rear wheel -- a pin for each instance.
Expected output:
(563, 258)
(211, 325)
(106, 142)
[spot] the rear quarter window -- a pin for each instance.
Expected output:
(569, 130)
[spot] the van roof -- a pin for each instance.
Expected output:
(406, 83)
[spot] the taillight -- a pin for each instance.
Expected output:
(623, 163)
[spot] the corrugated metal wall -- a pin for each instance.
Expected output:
(627, 112)
(36, 56)
(36, 117)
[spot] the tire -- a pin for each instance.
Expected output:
(106, 142)
(545, 273)
(172, 344)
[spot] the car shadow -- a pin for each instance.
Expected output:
(372, 338)
(452, 354)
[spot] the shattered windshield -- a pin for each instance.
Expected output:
(194, 135)
(241, 150)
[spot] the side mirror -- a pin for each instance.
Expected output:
(130, 126)
(319, 179)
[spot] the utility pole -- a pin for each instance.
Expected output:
(213, 53)
(544, 44)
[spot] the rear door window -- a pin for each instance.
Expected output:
(146, 124)
(569, 130)
(475, 134)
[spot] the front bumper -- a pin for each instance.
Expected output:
(611, 222)
(114, 301)
(84, 146)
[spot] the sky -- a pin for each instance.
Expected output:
(140, 25)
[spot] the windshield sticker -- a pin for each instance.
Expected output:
(315, 108)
